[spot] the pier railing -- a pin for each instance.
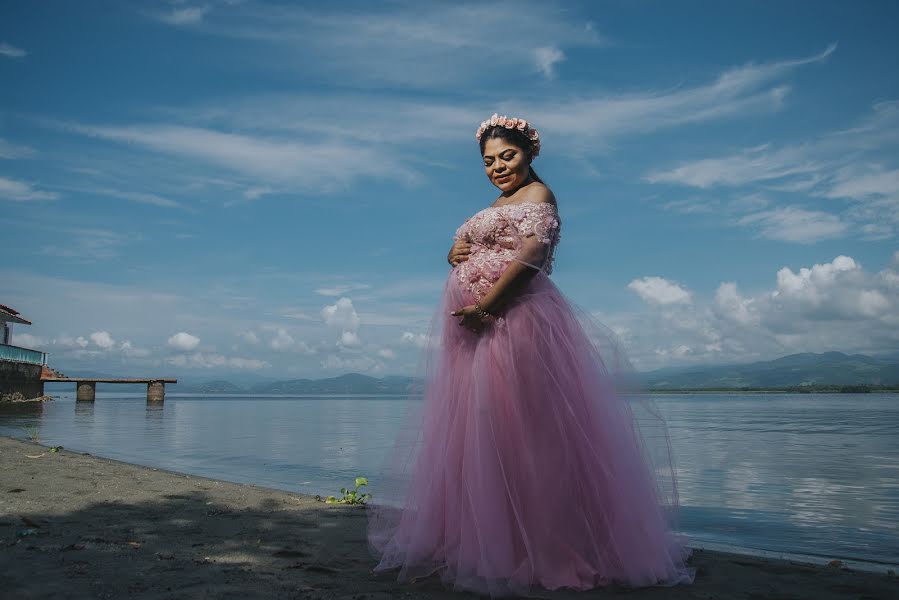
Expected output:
(25, 355)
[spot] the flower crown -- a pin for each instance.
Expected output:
(512, 123)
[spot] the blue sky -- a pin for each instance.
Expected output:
(270, 189)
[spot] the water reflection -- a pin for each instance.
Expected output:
(798, 471)
(803, 474)
(84, 410)
(21, 409)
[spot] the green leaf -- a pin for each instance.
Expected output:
(360, 481)
(330, 500)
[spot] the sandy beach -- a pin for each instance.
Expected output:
(77, 526)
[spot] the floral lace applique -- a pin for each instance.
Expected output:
(496, 234)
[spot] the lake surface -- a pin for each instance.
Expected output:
(810, 475)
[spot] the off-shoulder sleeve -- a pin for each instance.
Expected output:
(537, 230)
(539, 220)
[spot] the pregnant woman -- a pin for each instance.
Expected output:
(524, 467)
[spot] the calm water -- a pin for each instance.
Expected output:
(814, 475)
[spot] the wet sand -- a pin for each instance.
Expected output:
(77, 526)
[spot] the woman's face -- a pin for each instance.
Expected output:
(506, 164)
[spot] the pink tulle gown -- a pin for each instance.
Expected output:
(523, 467)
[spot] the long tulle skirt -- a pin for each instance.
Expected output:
(523, 466)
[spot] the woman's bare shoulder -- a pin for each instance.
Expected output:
(538, 193)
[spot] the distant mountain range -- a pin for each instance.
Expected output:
(351, 383)
(795, 370)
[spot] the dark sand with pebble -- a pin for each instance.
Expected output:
(77, 526)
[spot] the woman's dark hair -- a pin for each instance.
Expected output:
(514, 137)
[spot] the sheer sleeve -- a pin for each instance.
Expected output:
(537, 229)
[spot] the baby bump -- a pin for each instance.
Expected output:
(482, 269)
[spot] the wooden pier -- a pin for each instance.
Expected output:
(86, 387)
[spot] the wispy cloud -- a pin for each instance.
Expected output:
(795, 224)
(11, 51)
(319, 164)
(87, 244)
(547, 57)
(301, 142)
(137, 197)
(748, 166)
(592, 116)
(341, 289)
(407, 43)
(856, 165)
(190, 15)
(22, 191)
(736, 92)
(13, 151)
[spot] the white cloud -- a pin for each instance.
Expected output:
(546, 58)
(835, 305)
(730, 305)
(255, 193)
(750, 165)
(184, 16)
(387, 353)
(794, 224)
(129, 350)
(859, 185)
(102, 339)
(249, 337)
(296, 313)
(361, 364)
(26, 340)
(138, 197)
(11, 51)
(11, 151)
(419, 340)
(340, 289)
(341, 314)
(89, 244)
(854, 165)
(200, 360)
(20, 191)
(738, 91)
(66, 341)
(658, 290)
(319, 164)
(281, 341)
(184, 341)
(421, 45)
(349, 339)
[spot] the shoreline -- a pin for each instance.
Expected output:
(76, 525)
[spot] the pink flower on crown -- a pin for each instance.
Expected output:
(511, 123)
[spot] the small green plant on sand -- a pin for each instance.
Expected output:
(34, 434)
(350, 496)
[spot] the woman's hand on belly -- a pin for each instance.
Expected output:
(459, 252)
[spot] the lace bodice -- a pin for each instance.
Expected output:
(498, 235)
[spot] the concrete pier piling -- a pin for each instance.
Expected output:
(86, 391)
(155, 392)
